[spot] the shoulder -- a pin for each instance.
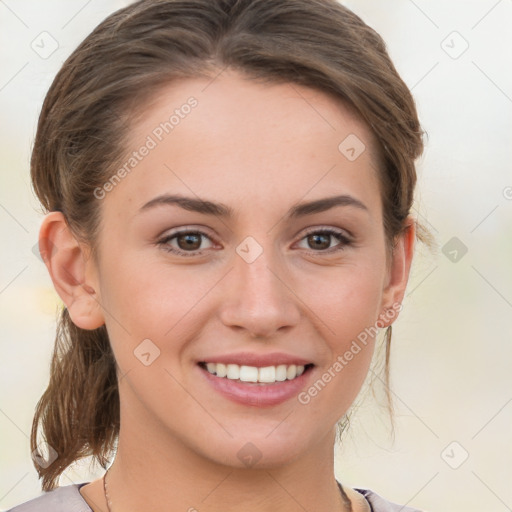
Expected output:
(63, 499)
(379, 504)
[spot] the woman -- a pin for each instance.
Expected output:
(228, 186)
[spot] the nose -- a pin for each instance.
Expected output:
(259, 298)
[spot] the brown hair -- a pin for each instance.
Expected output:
(82, 133)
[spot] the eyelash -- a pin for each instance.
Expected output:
(342, 238)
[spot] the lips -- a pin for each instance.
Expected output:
(256, 379)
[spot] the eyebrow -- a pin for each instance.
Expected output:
(222, 210)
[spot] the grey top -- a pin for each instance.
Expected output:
(69, 499)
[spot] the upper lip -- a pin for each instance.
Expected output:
(261, 360)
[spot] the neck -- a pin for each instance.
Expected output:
(154, 471)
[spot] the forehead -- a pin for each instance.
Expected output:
(239, 140)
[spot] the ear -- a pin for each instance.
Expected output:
(72, 271)
(398, 274)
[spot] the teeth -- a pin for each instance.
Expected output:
(233, 371)
(268, 374)
(221, 370)
(291, 372)
(248, 374)
(281, 372)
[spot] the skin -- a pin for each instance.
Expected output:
(259, 149)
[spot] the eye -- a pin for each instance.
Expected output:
(188, 242)
(320, 240)
(184, 243)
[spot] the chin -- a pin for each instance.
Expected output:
(260, 453)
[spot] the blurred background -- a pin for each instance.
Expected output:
(451, 363)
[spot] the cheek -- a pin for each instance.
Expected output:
(348, 307)
(138, 290)
(348, 313)
(347, 301)
(145, 299)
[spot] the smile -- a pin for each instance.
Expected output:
(263, 375)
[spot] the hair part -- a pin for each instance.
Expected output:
(101, 90)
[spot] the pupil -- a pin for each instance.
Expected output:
(190, 240)
(316, 239)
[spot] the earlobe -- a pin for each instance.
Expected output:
(71, 271)
(398, 273)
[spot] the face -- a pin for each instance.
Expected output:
(222, 244)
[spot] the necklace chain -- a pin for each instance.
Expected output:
(109, 504)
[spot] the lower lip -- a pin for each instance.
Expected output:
(255, 394)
